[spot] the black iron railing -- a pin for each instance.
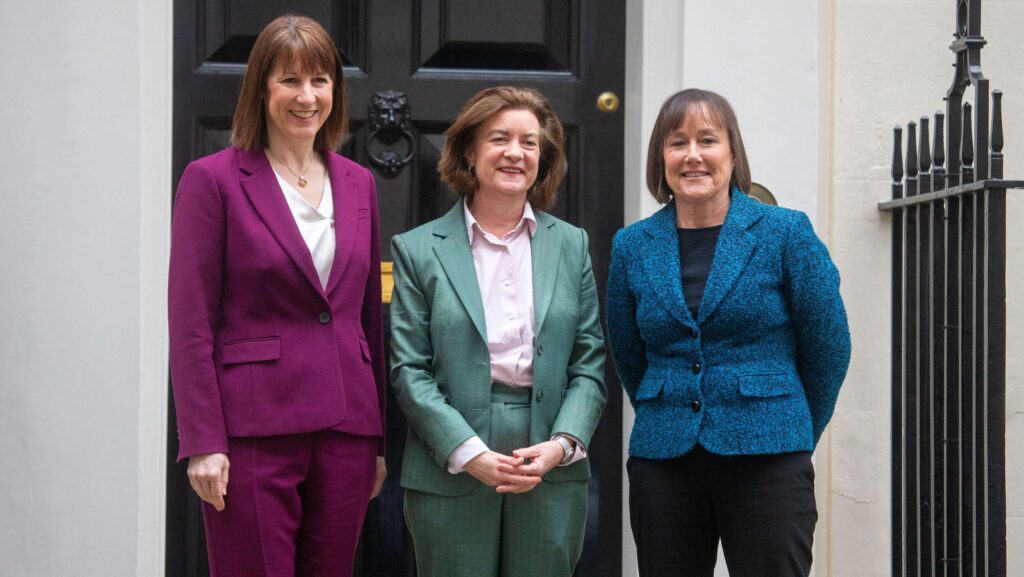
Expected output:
(948, 329)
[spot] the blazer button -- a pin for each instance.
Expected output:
(696, 368)
(325, 317)
(540, 350)
(540, 396)
(695, 406)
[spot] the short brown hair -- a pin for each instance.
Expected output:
(717, 111)
(289, 39)
(482, 106)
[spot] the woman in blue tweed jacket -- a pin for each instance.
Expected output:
(730, 338)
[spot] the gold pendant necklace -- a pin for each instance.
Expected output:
(302, 177)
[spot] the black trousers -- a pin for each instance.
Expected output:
(760, 506)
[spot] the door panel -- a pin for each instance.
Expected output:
(225, 30)
(437, 53)
(497, 35)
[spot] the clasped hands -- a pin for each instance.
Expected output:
(518, 473)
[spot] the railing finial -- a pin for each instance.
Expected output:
(939, 152)
(912, 165)
(967, 146)
(897, 162)
(923, 149)
(996, 158)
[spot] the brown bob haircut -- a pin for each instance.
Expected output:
(289, 40)
(459, 138)
(716, 111)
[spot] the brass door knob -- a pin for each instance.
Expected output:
(608, 102)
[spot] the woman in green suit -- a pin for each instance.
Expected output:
(497, 353)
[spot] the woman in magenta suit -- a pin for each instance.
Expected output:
(277, 358)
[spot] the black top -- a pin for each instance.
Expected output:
(696, 251)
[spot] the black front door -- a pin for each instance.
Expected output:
(437, 53)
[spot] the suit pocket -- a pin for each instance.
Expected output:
(650, 388)
(252, 351)
(365, 348)
(770, 385)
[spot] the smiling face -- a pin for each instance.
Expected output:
(505, 153)
(298, 103)
(699, 162)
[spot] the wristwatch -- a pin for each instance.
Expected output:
(568, 446)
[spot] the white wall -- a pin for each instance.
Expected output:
(763, 57)
(891, 64)
(85, 119)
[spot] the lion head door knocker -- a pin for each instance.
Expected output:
(390, 122)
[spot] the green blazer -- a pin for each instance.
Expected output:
(440, 366)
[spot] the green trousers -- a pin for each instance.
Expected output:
(489, 534)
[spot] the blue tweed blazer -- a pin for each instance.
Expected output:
(759, 370)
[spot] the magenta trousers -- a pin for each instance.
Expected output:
(295, 506)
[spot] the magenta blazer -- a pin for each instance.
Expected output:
(257, 346)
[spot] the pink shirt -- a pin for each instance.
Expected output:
(504, 273)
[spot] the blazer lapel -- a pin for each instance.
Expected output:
(546, 256)
(344, 192)
(456, 258)
(733, 251)
(661, 264)
(265, 195)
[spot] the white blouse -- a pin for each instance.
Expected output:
(316, 224)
